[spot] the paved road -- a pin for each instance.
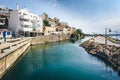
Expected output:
(101, 39)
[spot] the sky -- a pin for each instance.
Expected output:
(92, 16)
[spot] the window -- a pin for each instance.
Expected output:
(19, 12)
(24, 14)
(8, 33)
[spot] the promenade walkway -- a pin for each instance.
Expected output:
(11, 45)
(101, 39)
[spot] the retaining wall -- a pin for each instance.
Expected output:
(49, 38)
(9, 56)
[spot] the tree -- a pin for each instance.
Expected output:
(79, 31)
(56, 20)
(46, 23)
(77, 34)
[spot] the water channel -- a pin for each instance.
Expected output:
(60, 61)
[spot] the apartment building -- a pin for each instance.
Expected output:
(24, 23)
(4, 17)
(49, 30)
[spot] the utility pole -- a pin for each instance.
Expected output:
(106, 34)
(116, 35)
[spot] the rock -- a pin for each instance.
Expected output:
(106, 51)
(92, 51)
(101, 50)
(110, 52)
(119, 68)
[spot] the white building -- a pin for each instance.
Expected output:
(4, 10)
(65, 31)
(53, 24)
(4, 17)
(49, 30)
(8, 33)
(64, 23)
(23, 20)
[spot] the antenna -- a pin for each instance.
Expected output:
(17, 6)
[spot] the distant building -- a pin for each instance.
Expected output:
(65, 31)
(25, 23)
(49, 30)
(53, 24)
(44, 16)
(4, 21)
(64, 24)
(71, 30)
(4, 18)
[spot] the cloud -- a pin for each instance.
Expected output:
(54, 2)
(99, 26)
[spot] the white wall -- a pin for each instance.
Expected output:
(14, 23)
(65, 31)
(49, 30)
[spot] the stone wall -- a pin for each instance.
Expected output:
(11, 56)
(49, 38)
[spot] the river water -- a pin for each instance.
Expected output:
(60, 61)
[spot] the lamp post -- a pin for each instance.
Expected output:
(116, 33)
(94, 34)
(106, 30)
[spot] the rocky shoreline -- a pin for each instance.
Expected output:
(108, 53)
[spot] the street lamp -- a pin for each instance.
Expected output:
(94, 34)
(116, 33)
(106, 30)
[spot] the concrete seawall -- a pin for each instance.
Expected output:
(11, 53)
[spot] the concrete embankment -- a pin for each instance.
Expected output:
(48, 39)
(109, 53)
(10, 52)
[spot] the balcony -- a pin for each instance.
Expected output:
(26, 23)
(1, 23)
(25, 17)
(4, 12)
(27, 29)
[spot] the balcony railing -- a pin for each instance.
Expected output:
(26, 23)
(26, 17)
(4, 12)
(27, 29)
